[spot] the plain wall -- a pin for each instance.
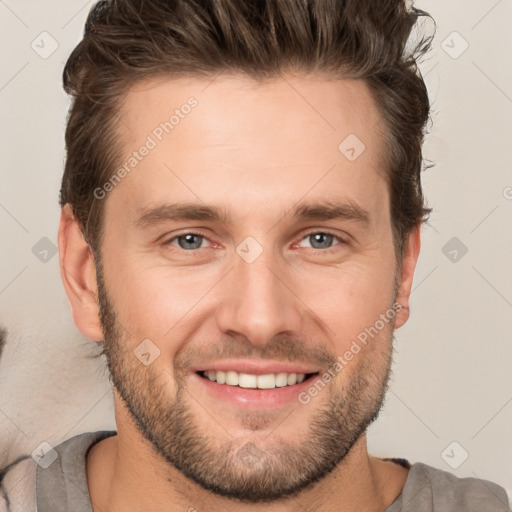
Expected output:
(452, 379)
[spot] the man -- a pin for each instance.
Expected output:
(281, 139)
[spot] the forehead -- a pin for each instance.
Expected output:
(243, 106)
(254, 141)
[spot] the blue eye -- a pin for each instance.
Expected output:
(188, 241)
(322, 240)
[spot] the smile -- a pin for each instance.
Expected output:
(252, 381)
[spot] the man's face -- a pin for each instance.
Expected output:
(262, 291)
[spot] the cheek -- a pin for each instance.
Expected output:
(150, 300)
(349, 299)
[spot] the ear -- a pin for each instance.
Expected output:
(78, 275)
(409, 260)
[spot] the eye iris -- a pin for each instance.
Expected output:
(321, 238)
(318, 240)
(190, 240)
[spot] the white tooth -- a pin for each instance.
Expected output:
(281, 380)
(267, 381)
(247, 381)
(232, 378)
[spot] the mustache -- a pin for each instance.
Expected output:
(279, 348)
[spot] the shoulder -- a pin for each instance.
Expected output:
(18, 486)
(19, 480)
(444, 491)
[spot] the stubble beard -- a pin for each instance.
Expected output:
(244, 470)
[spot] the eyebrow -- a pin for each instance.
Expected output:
(327, 210)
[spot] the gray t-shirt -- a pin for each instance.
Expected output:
(62, 485)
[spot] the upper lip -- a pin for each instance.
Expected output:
(256, 367)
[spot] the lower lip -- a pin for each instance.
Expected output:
(254, 398)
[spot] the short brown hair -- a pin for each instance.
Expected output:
(126, 41)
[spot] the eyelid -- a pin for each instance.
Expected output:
(311, 231)
(325, 231)
(167, 241)
(314, 231)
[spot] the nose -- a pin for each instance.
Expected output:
(258, 301)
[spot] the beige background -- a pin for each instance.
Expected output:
(452, 380)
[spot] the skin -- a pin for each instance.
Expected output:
(255, 149)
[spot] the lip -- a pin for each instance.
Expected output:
(255, 367)
(244, 398)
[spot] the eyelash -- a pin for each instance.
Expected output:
(330, 250)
